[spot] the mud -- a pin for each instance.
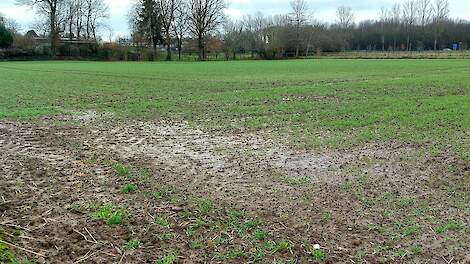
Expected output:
(46, 169)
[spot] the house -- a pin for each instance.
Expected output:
(32, 34)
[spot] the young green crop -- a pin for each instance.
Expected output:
(318, 103)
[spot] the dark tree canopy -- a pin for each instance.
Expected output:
(6, 37)
(147, 22)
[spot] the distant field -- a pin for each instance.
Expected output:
(329, 103)
(462, 54)
(251, 161)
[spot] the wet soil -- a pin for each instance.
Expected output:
(348, 201)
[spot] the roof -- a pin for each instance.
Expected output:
(32, 34)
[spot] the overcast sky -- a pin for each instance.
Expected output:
(323, 10)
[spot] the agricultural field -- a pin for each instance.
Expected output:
(299, 161)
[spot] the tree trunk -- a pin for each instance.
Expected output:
(79, 26)
(168, 47)
(297, 48)
(93, 30)
(168, 52)
(87, 28)
(154, 43)
(53, 32)
(201, 48)
(70, 28)
(408, 43)
(383, 43)
(88, 21)
(180, 45)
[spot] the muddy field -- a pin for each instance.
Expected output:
(81, 189)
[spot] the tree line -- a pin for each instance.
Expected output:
(413, 25)
(174, 24)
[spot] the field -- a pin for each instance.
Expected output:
(463, 54)
(299, 161)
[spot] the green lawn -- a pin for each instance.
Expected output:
(318, 103)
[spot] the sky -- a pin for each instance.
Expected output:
(323, 10)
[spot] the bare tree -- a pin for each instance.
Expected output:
(167, 11)
(110, 32)
(180, 27)
(260, 25)
(248, 35)
(409, 19)
(345, 20)
(233, 38)
(41, 26)
(277, 35)
(205, 16)
(299, 17)
(395, 21)
(424, 16)
(48, 8)
(80, 10)
(70, 16)
(345, 17)
(88, 14)
(425, 12)
(441, 10)
(96, 15)
(310, 35)
(10, 24)
(441, 15)
(383, 18)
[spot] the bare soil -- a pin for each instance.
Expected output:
(348, 201)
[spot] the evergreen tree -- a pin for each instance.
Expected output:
(149, 23)
(6, 37)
